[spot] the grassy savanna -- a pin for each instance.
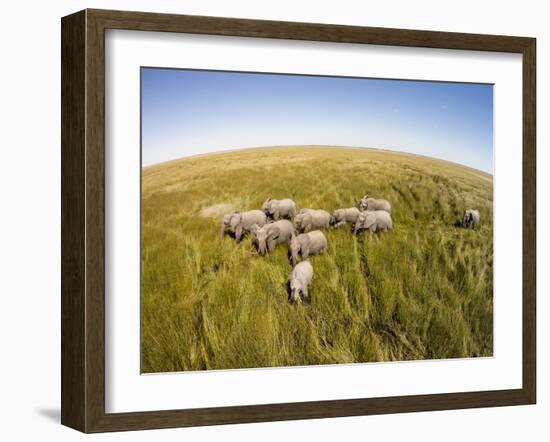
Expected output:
(422, 291)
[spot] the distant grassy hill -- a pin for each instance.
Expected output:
(423, 291)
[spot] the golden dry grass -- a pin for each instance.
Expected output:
(423, 291)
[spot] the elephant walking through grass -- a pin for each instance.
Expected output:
(370, 204)
(341, 217)
(307, 244)
(471, 219)
(272, 234)
(300, 281)
(279, 209)
(240, 222)
(310, 218)
(375, 221)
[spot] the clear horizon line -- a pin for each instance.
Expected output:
(335, 146)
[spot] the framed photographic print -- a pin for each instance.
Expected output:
(271, 220)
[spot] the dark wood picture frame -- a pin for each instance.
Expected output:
(83, 220)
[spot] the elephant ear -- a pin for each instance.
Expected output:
(274, 232)
(369, 220)
(235, 218)
(305, 240)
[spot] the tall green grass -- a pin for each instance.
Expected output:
(423, 291)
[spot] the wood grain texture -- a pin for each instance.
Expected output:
(529, 221)
(73, 128)
(83, 220)
(95, 221)
(144, 21)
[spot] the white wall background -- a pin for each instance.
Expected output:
(30, 217)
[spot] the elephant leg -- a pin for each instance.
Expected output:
(305, 292)
(271, 245)
(305, 252)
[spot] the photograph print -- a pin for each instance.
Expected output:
(301, 220)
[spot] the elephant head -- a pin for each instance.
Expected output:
(296, 293)
(363, 205)
(235, 220)
(337, 216)
(365, 220)
(264, 235)
(266, 206)
(301, 220)
(230, 221)
(225, 224)
(298, 219)
(467, 219)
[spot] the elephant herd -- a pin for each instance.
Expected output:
(278, 223)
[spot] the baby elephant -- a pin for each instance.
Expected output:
(278, 209)
(368, 203)
(375, 221)
(268, 236)
(300, 281)
(471, 219)
(341, 217)
(241, 222)
(308, 218)
(307, 244)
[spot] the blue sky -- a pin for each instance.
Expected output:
(189, 112)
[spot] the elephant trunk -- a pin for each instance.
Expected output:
(262, 248)
(222, 230)
(294, 255)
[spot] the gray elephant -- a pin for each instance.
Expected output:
(240, 222)
(341, 217)
(471, 219)
(272, 234)
(279, 209)
(309, 218)
(370, 204)
(375, 221)
(307, 244)
(300, 281)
